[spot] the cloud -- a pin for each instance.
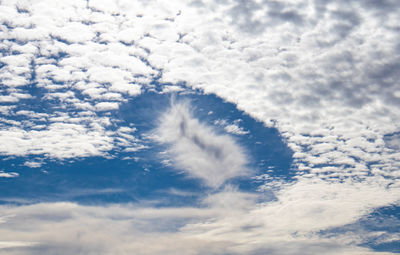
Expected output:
(316, 76)
(5, 245)
(197, 149)
(235, 129)
(106, 106)
(392, 141)
(58, 140)
(256, 16)
(84, 231)
(305, 66)
(32, 164)
(232, 128)
(8, 174)
(230, 221)
(44, 64)
(324, 73)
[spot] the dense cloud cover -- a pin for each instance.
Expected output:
(324, 73)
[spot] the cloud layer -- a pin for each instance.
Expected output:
(230, 222)
(325, 73)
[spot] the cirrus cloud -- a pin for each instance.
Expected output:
(199, 150)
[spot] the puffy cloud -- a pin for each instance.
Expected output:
(319, 74)
(235, 129)
(106, 106)
(59, 140)
(32, 164)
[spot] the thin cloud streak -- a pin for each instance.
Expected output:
(230, 222)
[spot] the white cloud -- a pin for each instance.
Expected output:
(197, 149)
(74, 32)
(15, 244)
(235, 129)
(323, 74)
(231, 222)
(232, 128)
(59, 140)
(8, 174)
(130, 89)
(33, 164)
(8, 99)
(172, 89)
(106, 106)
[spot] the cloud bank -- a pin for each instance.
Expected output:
(230, 222)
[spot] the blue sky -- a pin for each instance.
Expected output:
(212, 127)
(132, 177)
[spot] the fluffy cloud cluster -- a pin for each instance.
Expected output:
(323, 72)
(313, 67)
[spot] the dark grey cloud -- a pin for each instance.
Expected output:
(274, 13)
(381, 6)
(392, 141)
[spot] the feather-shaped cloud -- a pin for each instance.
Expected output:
(197, 149)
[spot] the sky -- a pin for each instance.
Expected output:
(200, 127)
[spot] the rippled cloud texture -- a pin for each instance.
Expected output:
(324, 73)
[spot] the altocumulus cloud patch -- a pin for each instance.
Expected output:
(90, 147)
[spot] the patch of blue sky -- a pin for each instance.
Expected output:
(93, 180)
(380, 229)
(142, 176)
(268, 152)
(385, 219)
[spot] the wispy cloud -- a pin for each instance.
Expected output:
(8, 174)
(15, 244)
(230, 221)
(197, 149)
